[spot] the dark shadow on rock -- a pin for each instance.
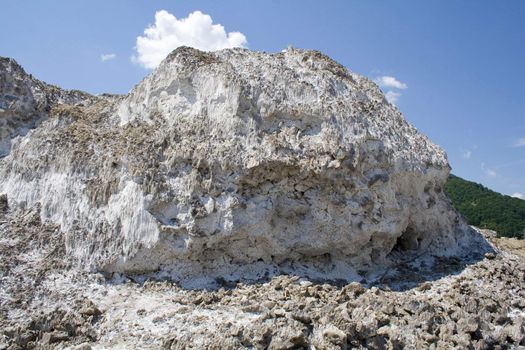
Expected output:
(410, 269)
(407, 269)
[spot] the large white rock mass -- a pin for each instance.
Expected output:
(230, 163)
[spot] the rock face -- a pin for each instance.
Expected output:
(25, 101)
(232, 163)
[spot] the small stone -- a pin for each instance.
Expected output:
(268, 304)
(514, 332)
(279, 312)
(424, 286)
(334, 335)
(490, 255)
(354, 288)
(302, 317)
(54, 337)
(468, 325)
(89, 309)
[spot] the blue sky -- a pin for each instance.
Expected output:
(458, 65)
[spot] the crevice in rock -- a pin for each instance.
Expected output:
(408, 241)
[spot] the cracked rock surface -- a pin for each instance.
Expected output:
(233, 165)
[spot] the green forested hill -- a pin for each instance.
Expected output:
(487, 209)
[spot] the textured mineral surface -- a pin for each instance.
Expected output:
(229, 165)
(238, 200)
(455, 304)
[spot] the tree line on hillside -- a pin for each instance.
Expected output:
(487, 209)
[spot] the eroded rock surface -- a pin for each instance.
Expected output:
(235, 164)
(457, 304)
(275, 179)
(25, 101)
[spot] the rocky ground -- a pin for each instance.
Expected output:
(45, 302)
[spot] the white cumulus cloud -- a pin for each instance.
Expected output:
(520, 142)
(392, 96)
(108, 57)
(517, 195)
(387, 81)
(393, 85)
(197, 30)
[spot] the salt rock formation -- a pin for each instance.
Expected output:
(232, 162)
(25, 101)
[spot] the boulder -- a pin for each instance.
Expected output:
(237, 163)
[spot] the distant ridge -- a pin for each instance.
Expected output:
(485, 208)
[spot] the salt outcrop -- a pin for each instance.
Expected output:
(231, 163)
(25, 101)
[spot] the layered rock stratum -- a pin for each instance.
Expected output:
(284, 183)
